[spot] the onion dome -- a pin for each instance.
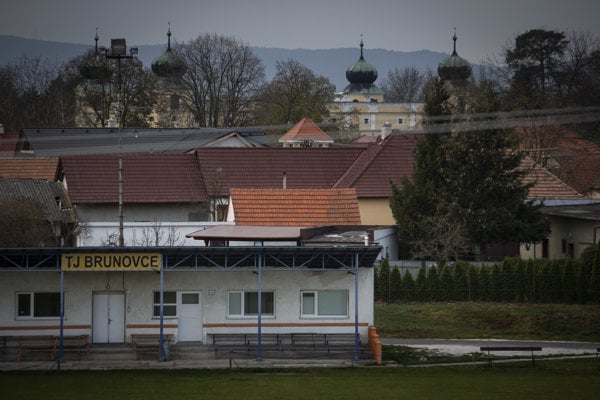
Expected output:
(361, 71)
(96, 67)
(168, 65)
(454, 68)
(361, 76)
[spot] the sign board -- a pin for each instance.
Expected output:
(111, 261)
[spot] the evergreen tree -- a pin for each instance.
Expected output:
(421, 286)
(446, 283)
(396, 292)
(484, 283)
(408, 286)
(384, 281)
(433, 284)
(569, 281)
(496, 286)
(594, 291)
(473, 283)
(460, 288)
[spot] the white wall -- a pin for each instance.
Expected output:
(213, 285)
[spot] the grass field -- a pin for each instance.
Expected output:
(562, 379)
(569, 379)
(489, 320)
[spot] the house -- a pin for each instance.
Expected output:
(306, 134)
(163, 196)
(361, 106)
(573, 217)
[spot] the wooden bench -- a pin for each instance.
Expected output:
(494, 349)
(147, 342)
(76, 343)
(37, 344)
(309, 340)
(231, 342)
(340, 341)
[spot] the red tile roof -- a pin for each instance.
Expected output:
(295, 207)
(545, 184)
(147, 178)
(36, 168)
(264, 167)
(387, 161)
(304, 130)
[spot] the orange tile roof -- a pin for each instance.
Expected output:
(295, 207)
(35, 168)
(545, 185)
(306, 129)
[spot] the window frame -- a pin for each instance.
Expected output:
(32, 307)
(156, 305)
(316, 313)
(243, 306)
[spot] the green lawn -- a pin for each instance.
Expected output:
(574, 379)
(489, 320)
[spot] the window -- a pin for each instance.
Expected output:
(38, 305)
(365, 121)
(244, 304)
(400, 121)
(169, 304)
(325, 303)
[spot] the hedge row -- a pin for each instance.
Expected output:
(513, 280)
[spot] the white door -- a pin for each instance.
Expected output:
(190, 316)
(108, 318)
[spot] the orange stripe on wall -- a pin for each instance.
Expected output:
(42, 327)
(284, 325)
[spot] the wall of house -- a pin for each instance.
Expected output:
(142, 213)
(375, 211)
(143, 233)
(569, 238)
(377, 113)
(213, 287)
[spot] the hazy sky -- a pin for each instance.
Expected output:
(484, 27)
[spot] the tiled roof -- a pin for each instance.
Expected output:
(77, 141)
(8, 143)
(306, 129)
(577, 162)
(52, 196)
(147, 178)
(295, 207)
(36, 168)
(567, 155)
(264, 167)
(387, 161)
(545, 184)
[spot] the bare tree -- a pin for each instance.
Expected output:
(404, 85)
(222, 78)
(128, 95)
(294, 93)
(23, 223)
(156, 235)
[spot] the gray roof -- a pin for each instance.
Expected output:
(57, 142)
(576, 211)
(52, 196)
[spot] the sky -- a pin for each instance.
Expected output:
(484, 27)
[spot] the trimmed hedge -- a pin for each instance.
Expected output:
(514, 280)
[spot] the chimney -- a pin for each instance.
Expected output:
(284, 180)
(386, 129)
